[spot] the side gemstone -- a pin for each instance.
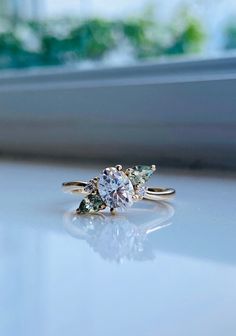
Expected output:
(91, 203)
(140, 191)
(140, 174)
(90, 187)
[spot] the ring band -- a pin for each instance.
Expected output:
(117, 189)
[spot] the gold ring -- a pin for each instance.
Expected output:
(115, 188)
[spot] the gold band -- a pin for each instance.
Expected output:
(76, 186)
(156, 194)
(151, 193)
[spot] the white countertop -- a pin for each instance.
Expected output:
(155, 270)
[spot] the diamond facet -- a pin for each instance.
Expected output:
(115, 188)
(91, 203)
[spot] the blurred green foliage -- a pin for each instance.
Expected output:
(187, 41)
(230, 35)
(66, 41)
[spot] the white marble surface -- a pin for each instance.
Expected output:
(120, 277)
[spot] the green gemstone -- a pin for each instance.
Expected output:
(91, 203)
(140, 174)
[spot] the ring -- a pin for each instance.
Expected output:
(115, 188)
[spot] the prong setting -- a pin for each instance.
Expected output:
(119, 167)
(135, 198)
(112, 211)
(153, 167)
(129, 171)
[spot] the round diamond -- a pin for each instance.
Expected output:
(115, 188)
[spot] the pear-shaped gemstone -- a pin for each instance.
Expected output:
(91, 203)
(140, 174)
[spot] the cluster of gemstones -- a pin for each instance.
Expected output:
(115, 188)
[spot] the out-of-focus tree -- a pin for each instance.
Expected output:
(189, 40)
(230, 35)
(63, 41)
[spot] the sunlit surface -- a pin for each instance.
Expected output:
(155, 270)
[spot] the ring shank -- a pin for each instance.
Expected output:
(157, 194)
(152, 193)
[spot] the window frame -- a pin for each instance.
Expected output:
(178, 113)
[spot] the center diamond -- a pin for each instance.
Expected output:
(115, 188)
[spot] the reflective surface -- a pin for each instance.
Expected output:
(121, 236)
(154, 270)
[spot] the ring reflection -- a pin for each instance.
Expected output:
(123, 236)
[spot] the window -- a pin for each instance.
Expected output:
(93, 33)
(76, 102)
